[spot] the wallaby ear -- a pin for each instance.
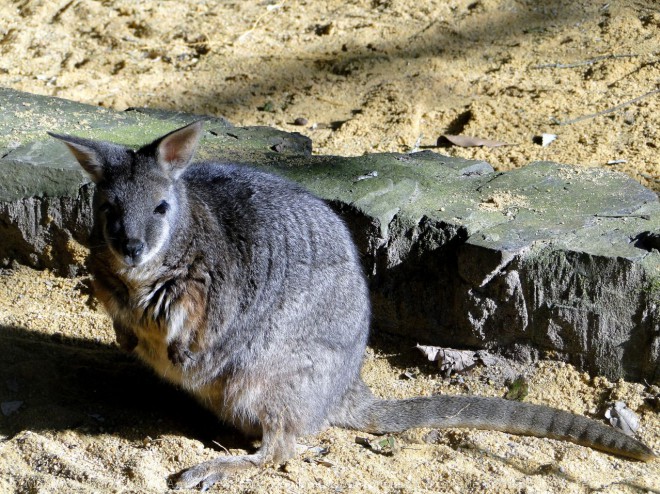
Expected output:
(176, 150)
(86, 153)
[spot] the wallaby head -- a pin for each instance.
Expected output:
(139, 196)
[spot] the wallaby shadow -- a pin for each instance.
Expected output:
(59, 383)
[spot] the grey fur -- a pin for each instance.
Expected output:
(247, 291)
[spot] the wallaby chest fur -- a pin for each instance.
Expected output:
(247, 291)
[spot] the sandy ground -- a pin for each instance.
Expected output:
(91, 419)
(367, 75)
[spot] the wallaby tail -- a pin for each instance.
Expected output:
(382, 416)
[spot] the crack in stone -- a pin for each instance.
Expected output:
(497, 175)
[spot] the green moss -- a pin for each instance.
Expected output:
(653, 289)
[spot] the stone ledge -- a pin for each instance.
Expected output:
(538, 259)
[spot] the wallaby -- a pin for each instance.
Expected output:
(247, 291)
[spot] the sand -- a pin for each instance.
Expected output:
(367, 76)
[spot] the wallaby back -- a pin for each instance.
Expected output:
(247, 291)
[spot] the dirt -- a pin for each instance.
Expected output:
(367, 76)
(89, 419)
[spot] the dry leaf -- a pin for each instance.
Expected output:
(450, 360)
(315, 454)
(467, 141)
(385, 445)
(623, 418)
(431, 352)
(408, 375)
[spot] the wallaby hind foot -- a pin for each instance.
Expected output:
(276, 448)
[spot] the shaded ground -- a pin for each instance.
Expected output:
(368, 76)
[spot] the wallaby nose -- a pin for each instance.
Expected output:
(133, 248)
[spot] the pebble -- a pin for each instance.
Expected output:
(300, 121)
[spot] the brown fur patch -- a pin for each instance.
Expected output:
(163, 311)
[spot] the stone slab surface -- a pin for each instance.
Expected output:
(543, 259)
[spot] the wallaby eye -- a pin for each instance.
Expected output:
(162, 207)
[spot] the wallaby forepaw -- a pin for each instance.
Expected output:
(126, 339)
(201, 476)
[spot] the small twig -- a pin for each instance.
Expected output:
(330, 102)
(609, 110)
(221, 446)
(286, 476)
(641, 216)
(425, 28)
(641, 66)
(270, 9)
(497, 175)
(190, 44)
(582, 63)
